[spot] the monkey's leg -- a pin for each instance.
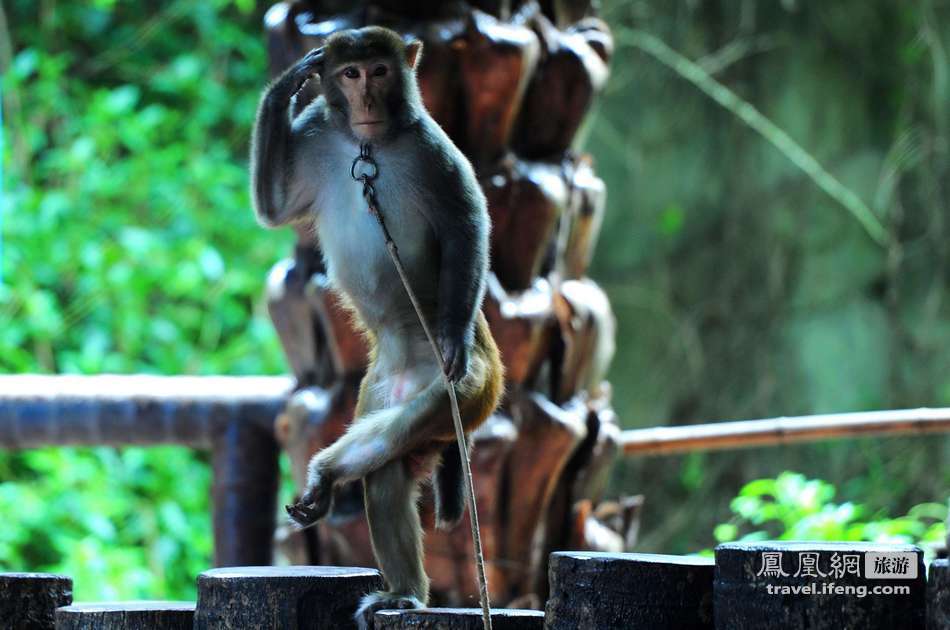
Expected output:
(372, 440)
(396, 532)
(316, 500)
(381, 435)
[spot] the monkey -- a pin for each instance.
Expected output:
(402, 431)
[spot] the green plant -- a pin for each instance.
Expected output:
(129, 246)
(792, 507)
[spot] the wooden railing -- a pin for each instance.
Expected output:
(231, 416)
(670, 440)
(234, 418)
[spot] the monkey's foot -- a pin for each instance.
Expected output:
(382, 600)
(313, 505)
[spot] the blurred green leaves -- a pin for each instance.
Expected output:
(792, 507)
(124, 524)
(129, 246)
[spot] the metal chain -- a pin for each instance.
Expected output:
(369, 194)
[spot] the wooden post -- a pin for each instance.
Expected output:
(244, 490)
(27, 600)
(282, 598)
(819, 586)
(458, 619)
(938, 596)
(618, 591)
(127, 616)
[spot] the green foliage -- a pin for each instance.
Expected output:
(793, 507)
(754, 153)
(129, 246)
(124, 524)
(741, 289)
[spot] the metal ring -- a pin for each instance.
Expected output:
(370, 175)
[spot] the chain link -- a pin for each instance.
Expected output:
(365, 158)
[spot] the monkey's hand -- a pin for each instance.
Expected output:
(454, 356)
(309, 66)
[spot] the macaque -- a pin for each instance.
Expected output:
(426, 190)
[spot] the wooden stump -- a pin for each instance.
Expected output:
(818, 586)
(127, 616)
(458, 619)
(282, 598)
(938, 596)
(618, 591)
(27, 600)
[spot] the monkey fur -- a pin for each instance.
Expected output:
(434, 208)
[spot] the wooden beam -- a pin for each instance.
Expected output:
(774, 431)
(42, 410)
(233, 416)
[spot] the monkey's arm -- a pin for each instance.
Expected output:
(281, 193)
(458, 214)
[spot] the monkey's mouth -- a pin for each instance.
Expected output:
(370, 122)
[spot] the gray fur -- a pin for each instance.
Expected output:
(435, 210)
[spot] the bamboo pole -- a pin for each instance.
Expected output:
(775, 431)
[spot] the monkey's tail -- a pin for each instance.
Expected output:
(449, 488)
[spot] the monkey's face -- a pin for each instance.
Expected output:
(367, 86)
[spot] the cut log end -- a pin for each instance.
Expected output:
(819, 585)
(458, 619)
(611, 591)
(938, 596)
(136, 615)
(285, 598)
(28, 600)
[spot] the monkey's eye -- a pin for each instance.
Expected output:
(380, 71)
(351, 73)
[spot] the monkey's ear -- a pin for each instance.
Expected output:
(413, 53)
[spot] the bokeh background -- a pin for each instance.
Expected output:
(777, 242)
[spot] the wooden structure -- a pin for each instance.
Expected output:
(938, 596)
(29, 600)
(588, 590)
(125, 615)
(458, 619)
(234, 418)
(510, 82)
(670, 440)
(632, 590)
(288, 598)
(819, 586)
(231, 416)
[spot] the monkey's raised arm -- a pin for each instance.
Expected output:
(279, 191)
